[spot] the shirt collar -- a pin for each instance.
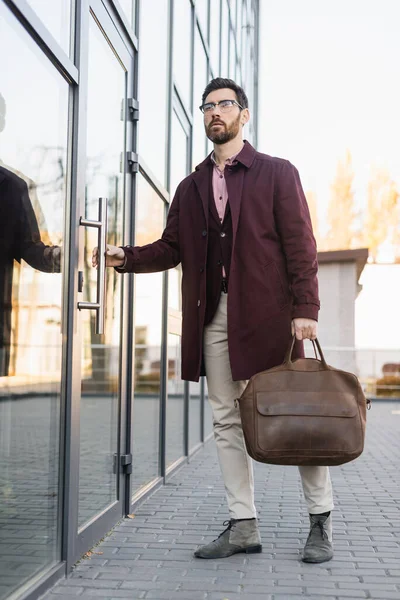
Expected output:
(246, 157)
(228, 161)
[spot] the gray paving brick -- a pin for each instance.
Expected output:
(176, 595)
(247, 596)
(387, 587)
(61, 597)
(318, 591)
(109, 577)
(384, 595)
(302, 597)
(269, 589)
(111, 593)
(69, 590)
(149, 585)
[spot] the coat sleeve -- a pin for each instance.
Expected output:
(293, 222)
(27, 238)
(160, 255)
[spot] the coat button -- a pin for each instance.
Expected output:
(201, 269)
(198, 302)
(223, 234)
(219, 263)
(204, 233)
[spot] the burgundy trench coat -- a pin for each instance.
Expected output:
(273, 273)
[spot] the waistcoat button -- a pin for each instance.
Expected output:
(204, 233)
(223, 234)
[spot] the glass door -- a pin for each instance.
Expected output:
(100, 482)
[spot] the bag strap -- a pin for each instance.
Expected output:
(288, 356)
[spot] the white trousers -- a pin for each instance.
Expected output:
(235, 463)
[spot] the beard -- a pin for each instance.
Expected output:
(226, 134)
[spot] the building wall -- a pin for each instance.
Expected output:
(338, 288)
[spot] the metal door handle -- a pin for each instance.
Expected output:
(99, 305)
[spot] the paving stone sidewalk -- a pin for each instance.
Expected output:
(150, 556)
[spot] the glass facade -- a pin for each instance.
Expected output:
(99, 122)
(33, 156)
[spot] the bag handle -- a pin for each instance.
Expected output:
(288, 357)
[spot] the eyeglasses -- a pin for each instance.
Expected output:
(225, 106)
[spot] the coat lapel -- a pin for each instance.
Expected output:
(202, 179)
(234, 184)
(235, 188)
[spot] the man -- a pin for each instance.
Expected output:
(241, 228)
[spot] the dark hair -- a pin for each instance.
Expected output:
(220, 83)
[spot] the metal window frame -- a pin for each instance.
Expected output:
(125, 25)
(44, 39)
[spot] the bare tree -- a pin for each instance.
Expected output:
(341, 213)
(313, 208)
(382, 216)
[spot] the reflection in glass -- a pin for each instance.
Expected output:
(57, 19)
(175, 386)
(100, 356)
(244, 38)
(238, 76)
(239, 31)
(33, 149)
(128, 6)
(232, 57)
(202, 15)
(194, 414)
(224, 39)
(181, 47)
(232, 8)
(179, 162)
(149, 221)
(153, 96)
(200, 82)
(175, 403)
(215, 35)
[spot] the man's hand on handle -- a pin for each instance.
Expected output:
(115, 257)
(305, 329)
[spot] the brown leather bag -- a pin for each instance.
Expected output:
(303, 413)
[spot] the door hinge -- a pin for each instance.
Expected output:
(125, 463)
(130, 107)
(132, 162)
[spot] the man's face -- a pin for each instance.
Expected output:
(221, 127)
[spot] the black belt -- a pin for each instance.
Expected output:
(224, 285)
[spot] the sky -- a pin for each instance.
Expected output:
(330, 82)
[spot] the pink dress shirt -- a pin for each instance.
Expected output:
(220, 190)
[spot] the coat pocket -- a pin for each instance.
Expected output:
(273, 282)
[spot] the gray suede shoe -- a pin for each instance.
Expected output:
(239, 536)
(319, 547)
